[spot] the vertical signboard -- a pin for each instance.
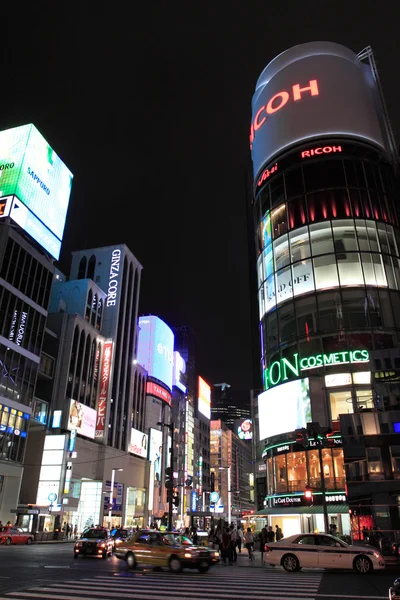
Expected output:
(104, 386)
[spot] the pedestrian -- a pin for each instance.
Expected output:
(71, 530)
(226, 546)
(365, 534)
(239, 539)
(278, 533)
(76, 532)
(271, 534)
(218, 538)
(195, 537)
(67, 531)
(233, 544)
(249, 539)
(263, 541)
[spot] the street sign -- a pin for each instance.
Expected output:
(214, 497)
(51, 497)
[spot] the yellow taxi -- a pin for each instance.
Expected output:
(165, 549)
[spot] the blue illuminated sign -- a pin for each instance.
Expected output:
(156, 349)
(396, 427)
(194, 501)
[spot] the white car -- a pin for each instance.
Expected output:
(320, 550)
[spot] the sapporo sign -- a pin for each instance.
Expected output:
(283, 369)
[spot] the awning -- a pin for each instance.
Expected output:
(333, 509)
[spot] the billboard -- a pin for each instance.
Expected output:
(139, 443)
(155, 452)
(313, 90)
(104, 385)
(156, 390)
(244, 429)
(82, 419)
(284, 408)
(156, 349)
(40, 183)
(204, 402)
(178, 372)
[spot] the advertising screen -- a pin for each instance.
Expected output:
(284, 408)
(82, 418)
(178, 372)
(31, 171)
(245, 429)
(155, 452)
(156, 349)
(204, 398)
(313, 90)
(139, 443)
(156, 390)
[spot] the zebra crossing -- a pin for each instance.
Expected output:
(217, 584)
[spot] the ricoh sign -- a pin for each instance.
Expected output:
(314, 90)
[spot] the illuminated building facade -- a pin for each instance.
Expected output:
(328, 280)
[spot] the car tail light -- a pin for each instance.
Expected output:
(267, 548)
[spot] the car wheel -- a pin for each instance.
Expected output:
(204, 569)
(290, 563)
(362, 564)
(130, 560)
(175, 564)
(8, 541)
(29, 541)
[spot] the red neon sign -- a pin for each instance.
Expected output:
(267, 173)
(104, 385)
(277, 102)
(156, 390)
(320, 150)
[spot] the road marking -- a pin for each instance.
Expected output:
(345, 596)
(56, 567)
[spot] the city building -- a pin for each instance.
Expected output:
(232, 477)
(229, 405)
(328, 285)
(34, 197)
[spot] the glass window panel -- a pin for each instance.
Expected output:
(383, 237)
(318, 206)
(284, 287)
(314, 176)
(303, 280)
(321, 238)
(364, 399)
(385, 307)
(368, 268)
(260, 270)
(338, 379)
(281, 252)
(325, 272)
(345, 236)
(277, 190)
(362, 234)
(272, 330)
(341, 403)
(372, 308)
(299, 244)
(281, 474)
(297, 471)
(379, 270)
(396, 267)
(390, 278)
(297, 213)
(287, 322)
(376, 208)
(355, 201)
(350, 271)
(338, 204)
(261, 302)
(375, 469)
(306, 313)
(269, 293)
(392, 241)
(365, 205)
(362, 377)
(294, 183)
(350, 173)
(278, 221)
(395, 453)
(353, 309)
(360, 174)
(265, 230)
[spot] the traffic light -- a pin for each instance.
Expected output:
(175, 500)
(302, 437)
(308, 495)
(169, 483)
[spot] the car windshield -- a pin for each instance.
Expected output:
(95, 533)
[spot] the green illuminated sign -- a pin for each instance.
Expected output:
(284, 369)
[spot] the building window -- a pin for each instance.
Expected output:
(82, 268)
(375, 469)
(46, 365)
(341, 403)
(395, 453)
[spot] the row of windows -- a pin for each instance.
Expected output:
(327, 272)
(20, 323)
(325, 174)
(83, 375)
(293, 215)
(17, 376)
(342, 310)
(26, 274)
(94, 309)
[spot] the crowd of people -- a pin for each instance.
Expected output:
(69, 531)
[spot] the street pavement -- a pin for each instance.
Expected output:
(50, 572)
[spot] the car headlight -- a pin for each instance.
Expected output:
(216, 554)
(102, 545)
(78, 545)
(377, 555)
(188, 555)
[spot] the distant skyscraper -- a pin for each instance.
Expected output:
(229, 405)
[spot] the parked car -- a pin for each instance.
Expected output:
(165, 549)
(95, 541)
(322, 550)
(15, 535)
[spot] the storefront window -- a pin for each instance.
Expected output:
(362, 377)
(314, 470)
(321, 238)
(303, 279)
(339, 469)
(281, 252)
(349, 265)
(299, 244)
(395, 452)
(328, 469)
(281, 474)
(338, 379)
(270, 478)
(345, 236)
(297, 471)
(325, 272)
(284, 287)
(278, 221)
(375, 469)
(364, 399)
(341, 404)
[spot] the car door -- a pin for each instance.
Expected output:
(15, 536)
(306, 549)
(329, 552)
(142, 548)
(157, 549)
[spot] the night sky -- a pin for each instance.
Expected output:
(150, 107)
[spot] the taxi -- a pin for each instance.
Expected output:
(95, 541)
(15, 535)
(322, 550)
(165, 549)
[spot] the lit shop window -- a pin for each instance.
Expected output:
(279, 221)
(395, 452)
(265, 232)
(375, 470)
(362, 377)
(303, 277)
(364, 399)
(299, 244)
(281, 252)
(350, 271)
(325, 272)
(338, 379)
(341, 403)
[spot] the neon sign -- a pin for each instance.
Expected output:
(267, 173)
(320, 150)
(277, 102)
(283, 369)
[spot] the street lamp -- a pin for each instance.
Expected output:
(113, 471)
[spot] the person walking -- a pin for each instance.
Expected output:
(271, 534)
(278, 533)
(239, 539)
(226, 546)
(233, 544)
(263, 541)
(76, 532)
(249, 539)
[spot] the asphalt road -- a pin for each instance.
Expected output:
(50, 571)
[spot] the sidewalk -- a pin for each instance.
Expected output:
(54, 542)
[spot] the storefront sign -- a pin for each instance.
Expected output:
(153, 389)
(320, 150)
(287, 501)
(284, 369)
(104, 385)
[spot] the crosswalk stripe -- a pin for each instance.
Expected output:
(213, 587)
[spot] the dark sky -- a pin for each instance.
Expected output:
(149, 107)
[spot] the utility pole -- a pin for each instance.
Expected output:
(169, 484)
